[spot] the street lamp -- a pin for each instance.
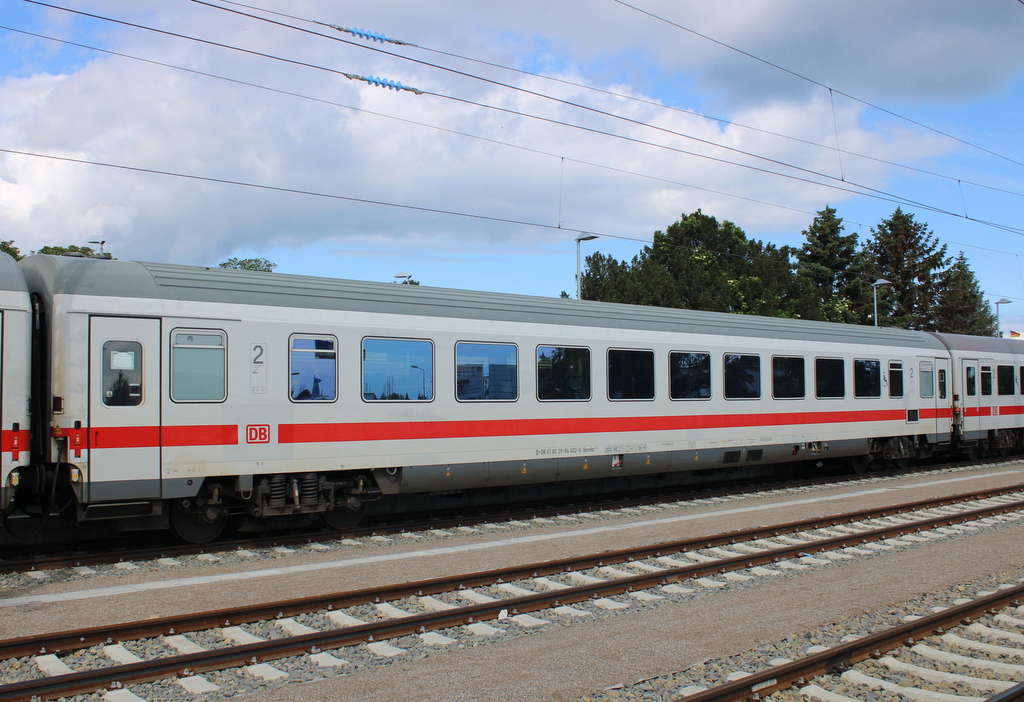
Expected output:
(581, 237)
(1003, 301)
(101, 243)
(406, 277)
(423, 381)
(874, 286)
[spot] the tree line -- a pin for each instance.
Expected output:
(701, 263)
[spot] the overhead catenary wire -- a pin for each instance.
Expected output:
(832, 181)
(358, 200)
(639, 100)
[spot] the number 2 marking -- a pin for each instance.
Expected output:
(258, 350)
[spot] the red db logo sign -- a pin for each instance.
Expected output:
(257, 434)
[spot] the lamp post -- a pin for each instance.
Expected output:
(1002, 301)
(423, 382)
(874, 286)
(405, 277)
(101, 243)
(581, 237)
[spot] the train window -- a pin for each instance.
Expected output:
(1021, 384)
(788, 377)
(198, 365)
(1004, 380)
(742, 377)
(630, 375)
(313, 364)
(986, 380)
(563, 373)
(927, 379)
(971, 380)
(895, 379)
(486, 371)
(829, 378)
(867, 378)
(942, 383)
(398, 369)
(691, 375)
(122, 373)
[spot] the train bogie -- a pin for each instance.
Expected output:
(181, 396)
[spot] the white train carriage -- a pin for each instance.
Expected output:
(191, 394)
(15, 340)
(988, 382)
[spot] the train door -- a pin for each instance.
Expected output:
(124, 409)
(970, 397)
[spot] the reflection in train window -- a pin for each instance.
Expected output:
(971, 380)
(398, 369)
(122, 373)
(927, 379)
(563, 373)
(829, 378)
(630, 375)
(198, 365)
(895, 379)
(691, 375)
(867, 378)
(942, 383)
(313, 365)
(742, 377)
(787, 377)
(1004, 380)
(986, 380)
(486, 371)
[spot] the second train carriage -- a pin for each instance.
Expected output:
(189, 394)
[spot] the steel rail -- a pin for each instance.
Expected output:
(78, 639)
(841, 657)
(87, 681)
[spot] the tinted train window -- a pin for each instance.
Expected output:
(942, 383)
(563, 373)
(486, 371)
(313, 364)
(198, 365)
(986, 380)
(927, 379)
(691, 375)
(829, 377)
(867, 379)
(122, 373)
(1004, 380)
(630, 375)
(742, 377)
(971, 380)
(895, 379)
(398, 369)
(787, 377)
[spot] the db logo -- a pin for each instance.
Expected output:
(257, 434)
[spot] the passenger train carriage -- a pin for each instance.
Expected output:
(182, 396)
(15, 329)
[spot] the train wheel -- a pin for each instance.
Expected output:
(859, 464)
(343, 517)
(195, 527)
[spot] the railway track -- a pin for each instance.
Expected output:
(474, 604)
(14, 559)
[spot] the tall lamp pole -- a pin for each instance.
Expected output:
(1003, 301)
(874, 285)
(581, 237)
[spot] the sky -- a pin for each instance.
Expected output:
(472, 155)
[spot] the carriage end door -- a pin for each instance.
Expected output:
(124, 409)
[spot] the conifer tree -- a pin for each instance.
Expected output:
(962, 308)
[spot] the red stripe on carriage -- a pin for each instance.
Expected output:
(398, 431)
